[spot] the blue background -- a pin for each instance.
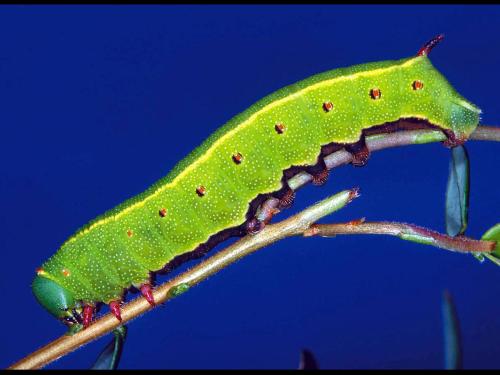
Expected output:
(98, 102)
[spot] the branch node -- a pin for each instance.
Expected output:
(313, 230)
(354, 194)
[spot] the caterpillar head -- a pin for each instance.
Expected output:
(56, 299)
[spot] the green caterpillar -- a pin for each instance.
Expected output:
(215, 191)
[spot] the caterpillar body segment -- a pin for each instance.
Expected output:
(209, 194)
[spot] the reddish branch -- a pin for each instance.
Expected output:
(300, 224)
(404, 231)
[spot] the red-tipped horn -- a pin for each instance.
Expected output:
(427, 47)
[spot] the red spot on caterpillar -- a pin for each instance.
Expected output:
(327, 106)
(39, 271)
(147, 292)
(427, 47)
(417, 85)
(280, 128)
(130, 233)
(65, 272)
(163, 212)
(114, 306)
(200, 190)
(375, 93)
(88, 311)
(237, 158)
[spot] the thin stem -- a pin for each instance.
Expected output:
(486, 133)
(295, 225)
(398, 139)
(292, 226)
(404, 231)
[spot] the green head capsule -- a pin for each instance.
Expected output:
(55, 298)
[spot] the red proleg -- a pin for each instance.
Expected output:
(88, 311)
(115, 309)
(147, 292)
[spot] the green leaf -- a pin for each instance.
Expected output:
(307, 361)
(110, 356)
(479, 257)
(179, 289)
(457, 192)
(493, 234)
(451, 331)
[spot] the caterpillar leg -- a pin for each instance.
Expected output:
(321, 177)
(147, 292)
(254, 226)
(287, 199)
(88, 311)
(319, 173)
(263, 215)
(452, 140)
(359, 151)
(114, 306)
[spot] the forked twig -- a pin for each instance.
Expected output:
(299, 224)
